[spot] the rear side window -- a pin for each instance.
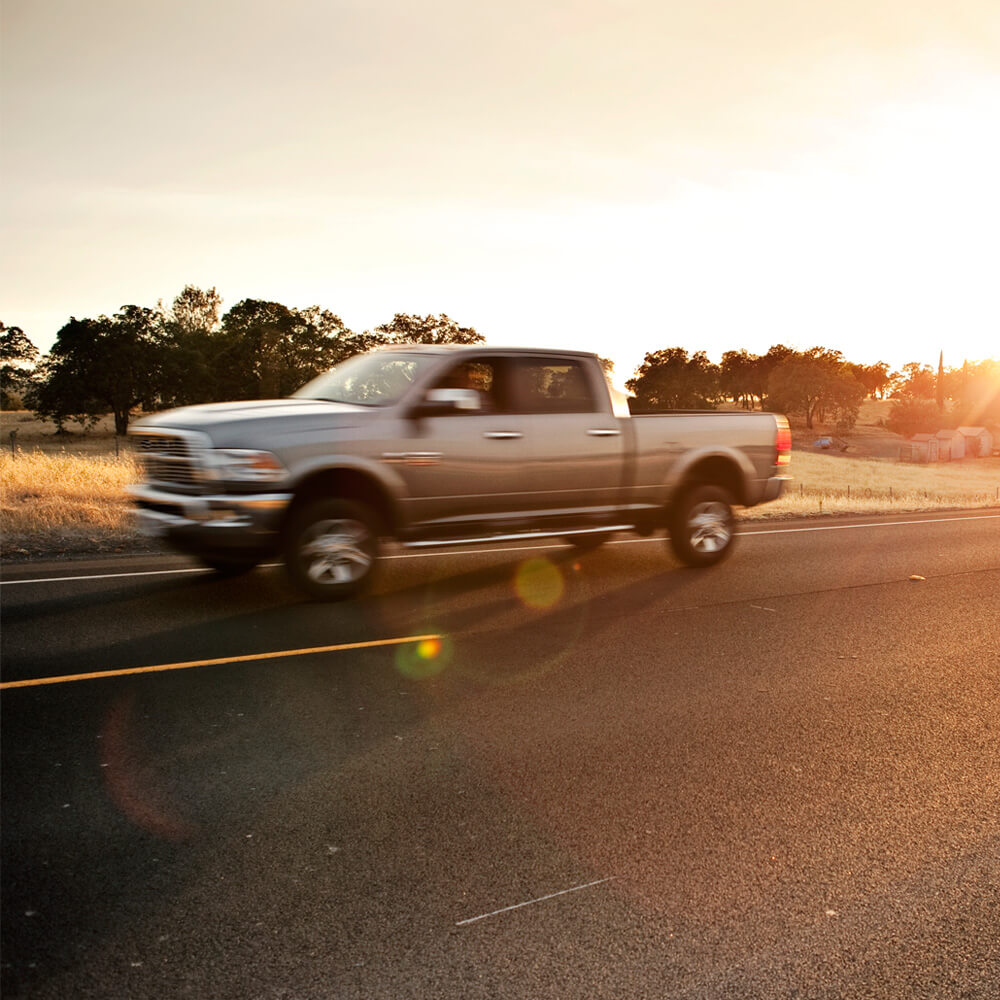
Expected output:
(540, 386)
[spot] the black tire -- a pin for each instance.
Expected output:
(230, 564)
(589, 542)
(701, 523)
(330, 549)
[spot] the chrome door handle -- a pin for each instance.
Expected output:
(502, 435)
(601, 432)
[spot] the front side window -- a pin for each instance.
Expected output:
(378, 379)
(539, 386)
(480, 375)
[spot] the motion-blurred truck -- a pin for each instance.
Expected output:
(445, 445)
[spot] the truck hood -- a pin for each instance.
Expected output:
(229, 424)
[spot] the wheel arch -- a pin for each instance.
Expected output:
(723, 469)
(346, 483)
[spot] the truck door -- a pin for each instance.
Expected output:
(467, 468)
(575, 445)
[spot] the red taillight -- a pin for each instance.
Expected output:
(783, 442)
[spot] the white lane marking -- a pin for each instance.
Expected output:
(540, 899)
(744, 533)
(873, 524)
(512, 548)
(104, 576)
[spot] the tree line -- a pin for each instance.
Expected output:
(819, 385)
(192, 353)
(189, 353)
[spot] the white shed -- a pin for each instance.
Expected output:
(920, 448)
(951, 445)
(978, 441)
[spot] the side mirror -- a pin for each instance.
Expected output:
(438, 402)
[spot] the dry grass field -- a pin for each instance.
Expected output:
(32, 434)
(837, 484)
(56, 504)
(61, 495)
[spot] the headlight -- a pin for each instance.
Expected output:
(242, 466)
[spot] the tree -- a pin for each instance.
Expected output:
(196, 309)
(441, 329)
(192, 330)
(18, 356)
(911, 416)
(669, 380)
(740, 378)
(815, 383)
(776, 354)
(269, 350)
(916, 382)
(103, 365)
(875, 378)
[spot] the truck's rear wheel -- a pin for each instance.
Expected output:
(702, 528)
(330, 549)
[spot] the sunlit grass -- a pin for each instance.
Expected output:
(53, 502)
(830, 484)
(32, 434)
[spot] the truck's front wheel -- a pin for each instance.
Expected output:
(330, 549)
(702, 527)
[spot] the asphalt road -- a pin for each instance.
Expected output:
(610, 777)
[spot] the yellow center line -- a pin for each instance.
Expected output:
(278, 654)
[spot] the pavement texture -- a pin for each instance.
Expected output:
(610, 777)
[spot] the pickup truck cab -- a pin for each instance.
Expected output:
(439, 445)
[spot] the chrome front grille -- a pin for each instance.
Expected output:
(170, 459)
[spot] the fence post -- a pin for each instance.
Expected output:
(13, 442)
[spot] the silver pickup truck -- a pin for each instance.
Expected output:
(445, 445)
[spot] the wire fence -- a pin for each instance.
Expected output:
(891, 493)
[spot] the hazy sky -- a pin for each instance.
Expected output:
(613, 176)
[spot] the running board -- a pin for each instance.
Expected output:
(519, 537)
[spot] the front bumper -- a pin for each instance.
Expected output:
(210, 523)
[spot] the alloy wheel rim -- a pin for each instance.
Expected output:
(709, 526)
(337, 551)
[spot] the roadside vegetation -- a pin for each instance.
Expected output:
(192, 352)
(63, 494)
(832, 484)
(58, 504)
(64, 460)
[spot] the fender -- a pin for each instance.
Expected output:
(728, 467)
(384, 479)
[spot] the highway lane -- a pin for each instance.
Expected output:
(776, 778)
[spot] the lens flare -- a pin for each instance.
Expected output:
(429, 649)
(539, 583)
(424, 659)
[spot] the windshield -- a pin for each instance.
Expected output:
(379, 379)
